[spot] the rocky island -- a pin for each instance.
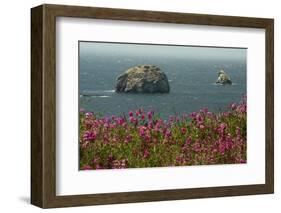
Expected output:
(143, 79)
(223, 78)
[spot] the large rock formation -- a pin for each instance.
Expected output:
(223, 78)
(143, 79)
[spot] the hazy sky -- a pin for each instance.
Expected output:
(87, 48)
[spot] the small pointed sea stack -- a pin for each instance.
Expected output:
(223, 78)
(143, 79)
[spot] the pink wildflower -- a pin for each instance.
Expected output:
(86, 167)
(131, 114)
(183, 130)
(146, 154)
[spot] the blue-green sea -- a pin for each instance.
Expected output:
(192, 73)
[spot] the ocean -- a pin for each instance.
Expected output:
(191, 74)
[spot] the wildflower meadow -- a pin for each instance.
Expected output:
(139, 139)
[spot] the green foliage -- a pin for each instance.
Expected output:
(143, 139)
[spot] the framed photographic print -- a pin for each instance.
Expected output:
(135, 106)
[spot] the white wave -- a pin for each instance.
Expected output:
(103, 96)
(233, 84)
(97, 91)
(109, 91)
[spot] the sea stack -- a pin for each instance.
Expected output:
(223, 78)
(143, 79)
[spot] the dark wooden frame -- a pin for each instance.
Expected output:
(43, 105)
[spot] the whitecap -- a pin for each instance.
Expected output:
(97, 91)
(109, 91)
(94, 95)
(216, 84)
(103, 96)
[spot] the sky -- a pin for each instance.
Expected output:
(197, 52)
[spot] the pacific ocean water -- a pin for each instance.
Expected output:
(192, 78)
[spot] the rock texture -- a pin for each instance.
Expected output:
(143, 79)
(223, 78)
